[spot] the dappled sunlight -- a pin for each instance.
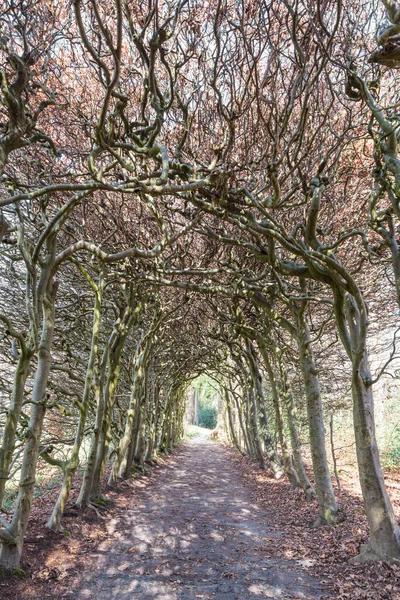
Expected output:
(193, 534)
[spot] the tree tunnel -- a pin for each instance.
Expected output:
(199, 212)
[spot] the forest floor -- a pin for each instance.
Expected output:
(206, 524)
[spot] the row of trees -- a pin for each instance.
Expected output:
(193, 188)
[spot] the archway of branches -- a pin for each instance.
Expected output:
(195, 188)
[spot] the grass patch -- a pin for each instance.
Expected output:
(192, 431)
(12, 573)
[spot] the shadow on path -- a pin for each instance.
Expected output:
(193, 534)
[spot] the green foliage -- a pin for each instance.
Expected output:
(208, 417)
(206, 388)
(9, 499)
(391, 456)
(208, 402)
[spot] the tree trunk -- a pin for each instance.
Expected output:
(105, 430)
(141, 448)
(242, 424)
(196, 407)
(248, 423)
(254, 429)
(323, 484)
(127, 462)
(161, 443)
(54, 523)
(13, 414)
(266, 433)
(10, 553)
(230, 421)
(138, 391)
(86, 487)
(294, 436)
(152, 425)
(287, 460)
(134, 403)
(120, 335)
(384, 542)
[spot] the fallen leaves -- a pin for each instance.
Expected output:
(50, 573)
(324, 551)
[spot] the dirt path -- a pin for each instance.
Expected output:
(193, 534)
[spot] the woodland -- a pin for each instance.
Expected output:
(193, 189)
